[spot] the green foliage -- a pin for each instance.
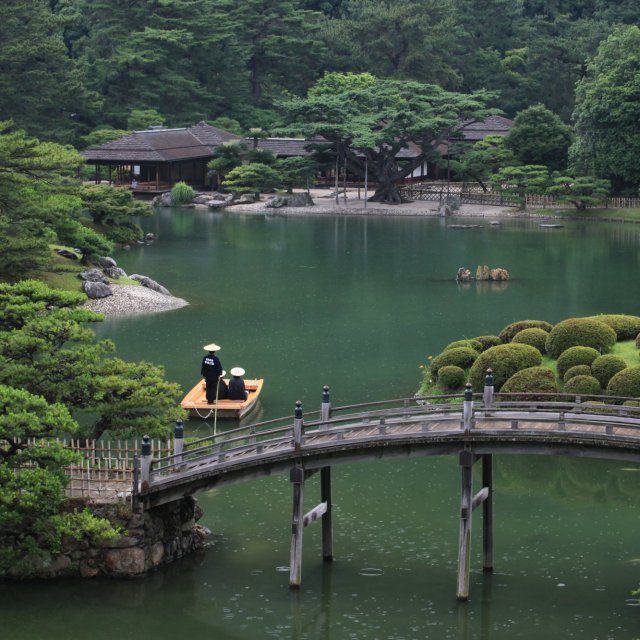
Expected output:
(577, 370)
(520, 181)
(510, 331)
(580, 332)
(531, 380)
(140, 119)
(297, 171)
(472, 343)
(574, 356)
(256, 178)
(227, 124)
(504, 360)
(103, 134)
(226, 157)
(91, 243)
(487, 341)
(451, 377)
(605, 367)
(182, 193)
(581, 192)
(625, 383)
(332, 83)
(539, 137)
(626, 327)
(534, 336)
(462, 357)
(583, 385)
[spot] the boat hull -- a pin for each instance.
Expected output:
(195, 402)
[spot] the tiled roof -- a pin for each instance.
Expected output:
(283, 147)
(162, 145)
(493, 125)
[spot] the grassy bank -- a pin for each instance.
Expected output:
(607, 215)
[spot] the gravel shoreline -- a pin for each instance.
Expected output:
(130, 299)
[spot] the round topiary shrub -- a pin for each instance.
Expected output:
(605, 367)
(505, 360)
(534, 336)
(488, 341)
(577, 370)
(462, 357)
(531, 380)
(451, 377)
(626, 327)
(625, 383)
(638, 341)
(508, 333)
(476, 345)
(182, 193)
(582, 332)
(575, 355)
(583, 385)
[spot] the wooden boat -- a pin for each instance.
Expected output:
(195, 402)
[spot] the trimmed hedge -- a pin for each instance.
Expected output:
(638, 341)
(462, 357)
(534, 336)
(505, 360)
(625, 383)
(582, 332)
(583, 385)
(488, 341)
(626, 327)
(451, 377)
(605, 367)
(531, 380)
(476, 345)
(577, 370)
(508, 333)
(575, 355)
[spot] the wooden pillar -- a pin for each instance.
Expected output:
(157, 177)
(464, 540)
(297, 526)
(327, 525)
(487, 513)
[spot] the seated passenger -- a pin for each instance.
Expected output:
(237, 390)
(223, 391)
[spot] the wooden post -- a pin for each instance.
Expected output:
(327, 525)
(178, 441)
(487, 396)
(467, 408)
(145, 467)
(464, 540)
(298, 426)
(297, 526)
(487, 513)
(325, 407)
(135, 505)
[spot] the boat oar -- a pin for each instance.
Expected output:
(215, 411)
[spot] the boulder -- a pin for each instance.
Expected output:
(125, 562)
(106, 262)
(464, 275)
(163, 200)
(150, 237)
(201, 198)
(96, 290)
(65, 253)
(245, 198)
(216, 204)
(444, 210)
(150, 284)
(499, 275)
(115, 272)
(290, 200)
(94, 275)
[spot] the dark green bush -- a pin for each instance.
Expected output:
(582, 332)
(182, 193)
(534, 336)
(487, 341)
(508, 333)
(577, 370)
(583, 385)
(462, 357)
(625, 383)
(451, 377)
(476, 345)
(505, 360)
(626, 327)
(575, 355)
(605, 367)
(638, 341)
(531, 380)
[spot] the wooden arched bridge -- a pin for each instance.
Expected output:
(474, 427)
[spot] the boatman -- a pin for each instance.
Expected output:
(237, 390)
(211, 371)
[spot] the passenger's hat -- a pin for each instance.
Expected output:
(211, 347)
(237, 371)
(223, 374)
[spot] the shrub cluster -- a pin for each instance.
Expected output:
(575, 355)
(476, 345)
(182, 193)
(451, 377)
(462, 357)
(605, 367)
(505, 360)
(487, 341)
(580, 332)
(534, 336)
(583, 385)
(531, 380)
(625, 383)
(508, 333)
(626, 327)
(577, 370)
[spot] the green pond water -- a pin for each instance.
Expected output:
(358, 304)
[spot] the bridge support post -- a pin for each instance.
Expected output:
(487, 396)
(327, 523)
(297, 526)
(487, 513)
(467, 409)
(178, 442)
(145, 463)
(325, 407)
